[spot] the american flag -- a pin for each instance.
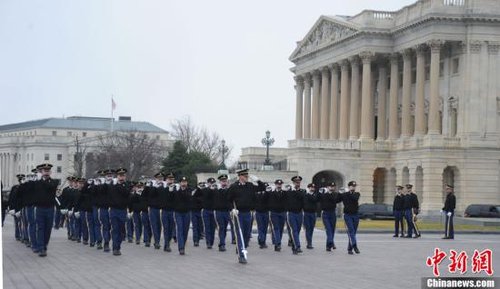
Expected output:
(113, 104)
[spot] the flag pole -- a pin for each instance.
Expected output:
(112, 115)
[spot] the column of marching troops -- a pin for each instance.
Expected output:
(109, 209)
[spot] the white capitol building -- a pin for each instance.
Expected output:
(411, 96)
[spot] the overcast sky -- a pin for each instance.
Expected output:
(222, 62)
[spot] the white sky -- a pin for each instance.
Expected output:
(223, 62)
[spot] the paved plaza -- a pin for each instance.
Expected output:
(384, 262)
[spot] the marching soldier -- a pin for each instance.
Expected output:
(99, 201)
(119, 194)
(415, 209)
(139, 210)
(13, 204)
(350, 199)
(28, 196)
(86, 212)
(262, 216)
(167, 213)
(208, 211)
(44, 202)
(294, 205)
(277, 215)
(398, 212)
(182, 203)
(196, 219)
(221, 213)
(66, 198)
(75, 212)
(328, 199)
(152, 193)
(449, 210)
(242, 196)
(310, 207)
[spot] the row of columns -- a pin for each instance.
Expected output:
(327, 115)
(6, 166)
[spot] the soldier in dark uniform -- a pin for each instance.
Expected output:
(139, 210)
(85, 208)
(65, 200)
(119, 195)
(21, 209)
(208, 211)
(221, 213)
(182, 202)
(397, 208)
(100, 203)
(29, 208)
(75, 210)
(350, 199)
(104, 210)
(294, 205)
(277, 214)
(262, 216)
(44, 202)
(196, 219)
(415, 206)
(242, 196)
(152, 193)
(408, 214)
(167, 213)
(449, 210)
(310, 207)
(328, 198)
(13, 203)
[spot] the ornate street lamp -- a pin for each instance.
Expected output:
(267, 141)
(223, 151)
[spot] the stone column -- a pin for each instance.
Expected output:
(299, 87)
(382, 95)
(406, 100)
(434, 122)
(367, 97)
(393, 97)
(344, 100)
(316, 101)
(354, 113)
(334, 101)
(325, 103)
(420, 125)
(307, 106)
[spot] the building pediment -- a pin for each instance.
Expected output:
(327, 30)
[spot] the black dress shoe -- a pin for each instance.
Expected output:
(78, 241)
(350, 253)
(130, 241)
(167, 249)
(242, 260)
(356, 250)
(116, 253)
(85, 242)
(42, 253)
(333, 247)
(299, 250)
(147, 245)
(209, 247)
(328, 249)
(196, 244)
(395, 236)
(182, 252)
(222, 248)
(277, 248)
(106, 247)
(157, 246)
(99, 246)
(137, 242)
(263, 246)
(92, 244)
(294, 252)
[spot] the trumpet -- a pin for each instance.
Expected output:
(323, 190)
(287, 187)
(269, 188)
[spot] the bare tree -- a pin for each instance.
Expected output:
(79, 157)
(136, 151)
(199, 139)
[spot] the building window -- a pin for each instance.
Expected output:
(69, 133)
(413, 76)
(455, 65)
(441, 69)
(59, 157)
(46, 157)
(158, 137)
(32, 157)
(59, 169)
(54, 133)
(84, 134)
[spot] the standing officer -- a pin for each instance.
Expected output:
(221, 213)
(350, 200)
(449, 210)
(328, 199)
(119, 194)
(310, 207)
(208, 211)
(277, 215)
(13, 203)
(397, 208)
(242, 196)
(167, 213)
(408, 214)
(294, 205)
(182, 203)
(45, 194)
(262, 216)
(415, 209)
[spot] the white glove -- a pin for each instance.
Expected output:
(269, 188)
(171, 188)
(449, 214)
(234, 211)
(77, 215)
(129, 216)
(64, 211)
(70, 213)
(17, 214)
(177, 186)
(253, 178)
(441, 211)
(12, 212)
(115, 181)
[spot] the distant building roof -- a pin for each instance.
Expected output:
(84, 123)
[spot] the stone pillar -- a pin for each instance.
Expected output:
(344, 100)
(393, 97)
(316, 101)
(325, 103)
(420, 126)
(299, 87)
(434, 122)
(406, 100)
(492, 92)
(382, 96)
(334, 101)
(367, 97)
(354, 112)
(307, 106)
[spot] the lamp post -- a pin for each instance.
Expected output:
(267, 141)
(223, 151)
